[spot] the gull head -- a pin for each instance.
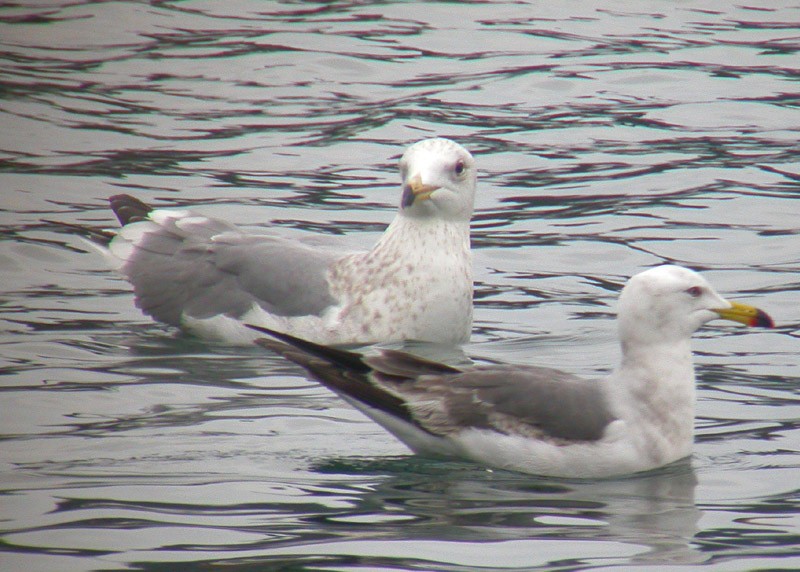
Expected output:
(439, 179)
(669, 303)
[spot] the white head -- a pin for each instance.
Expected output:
(439, 179)
(669, 303)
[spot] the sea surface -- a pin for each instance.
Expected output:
(610, 136)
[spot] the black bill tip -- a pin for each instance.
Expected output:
(763, 320)
(408, 196)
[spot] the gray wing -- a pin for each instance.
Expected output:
(441, 400)
(204, 267)
(540, 402)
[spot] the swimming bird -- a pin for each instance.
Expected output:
(539, 420)
(209, 277)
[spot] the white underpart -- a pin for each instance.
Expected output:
(653, 397)
(624, 449)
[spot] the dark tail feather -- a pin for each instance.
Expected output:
(343, 358)
(129, 209)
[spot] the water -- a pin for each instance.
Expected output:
(611, 136)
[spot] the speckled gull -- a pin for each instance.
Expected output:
(544, 421)
(209, 277)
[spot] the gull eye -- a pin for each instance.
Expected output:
(459, 168)
(694, 291)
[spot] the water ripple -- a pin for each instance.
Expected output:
(609, 138)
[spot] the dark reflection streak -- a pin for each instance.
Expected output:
(121, 162)
(570, 206)
(449, 501)
(43, 17)
(73, 552)
(66, 325)
(401, 499)
(169, 416)
(55, 72)
(711, 69)
(176, 508)
(584, 173)
(769, 25)
(458, 503)
(787, 174)
(786, 504)
(298, 15)
(775, 431)
(495, 241)
(16, 235)
(729, 381)
(749, 543)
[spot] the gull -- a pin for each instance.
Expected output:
(209, 278)
(539, 420)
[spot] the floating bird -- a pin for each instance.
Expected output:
(539, 420)
(209, 277)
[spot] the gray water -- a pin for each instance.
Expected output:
(610, 136)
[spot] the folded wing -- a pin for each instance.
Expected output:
(184, 264)
(444, 401)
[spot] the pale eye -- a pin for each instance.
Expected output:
(459, 168)
(694, 291)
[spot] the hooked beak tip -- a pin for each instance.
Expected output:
(415, 190)
(747, 315)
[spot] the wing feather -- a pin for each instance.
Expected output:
(529, 400)
(442, 400)
(181, 263)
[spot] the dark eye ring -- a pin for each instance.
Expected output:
(459, 168)
(694, 291)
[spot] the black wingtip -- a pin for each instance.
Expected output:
(344, 358)
(342, 371)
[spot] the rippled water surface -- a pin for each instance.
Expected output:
(610, 136)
